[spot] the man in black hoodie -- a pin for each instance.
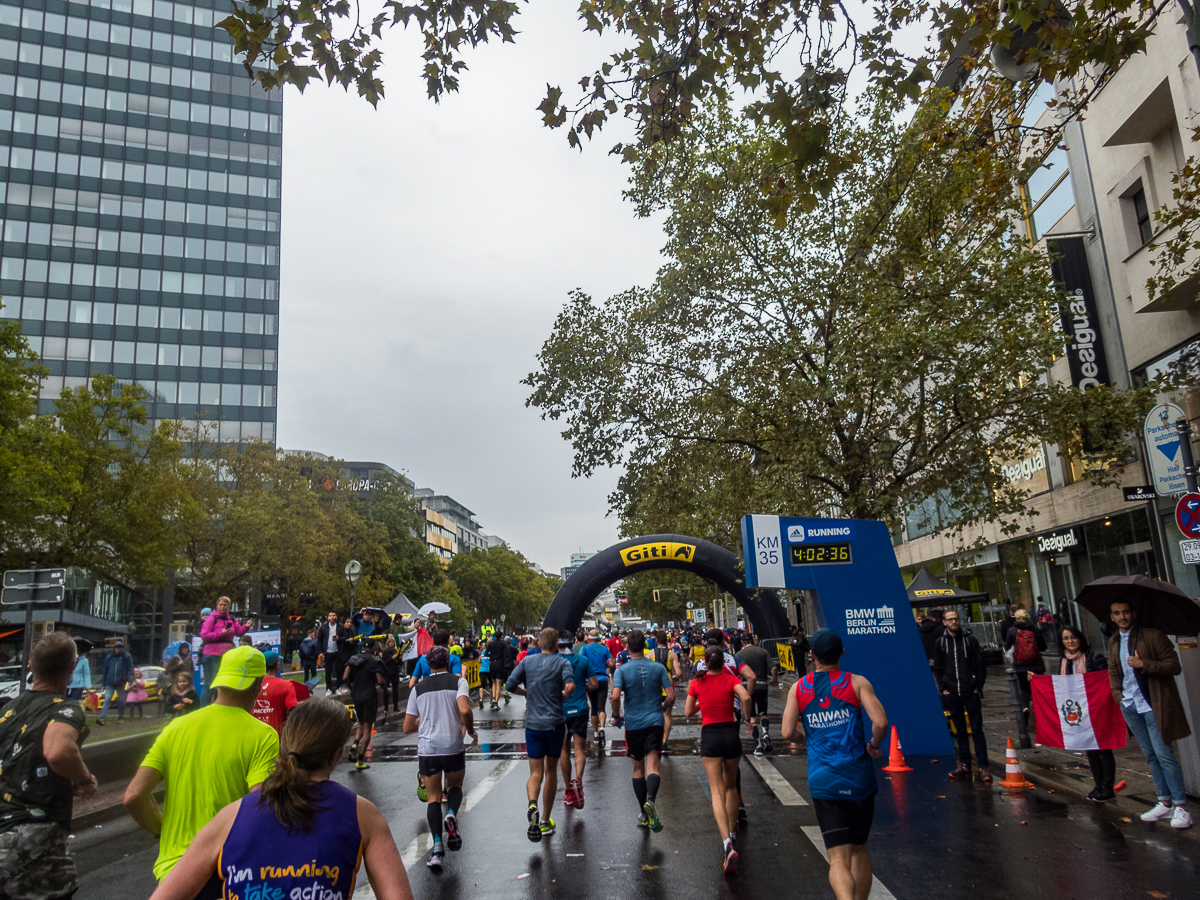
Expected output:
(960, 673)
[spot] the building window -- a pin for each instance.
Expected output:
(1141, 215)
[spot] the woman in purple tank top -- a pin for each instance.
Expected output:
(300, 836)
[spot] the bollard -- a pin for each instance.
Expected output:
(1022, 723)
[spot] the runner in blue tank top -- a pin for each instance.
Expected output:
(300, 836)
(841, 776)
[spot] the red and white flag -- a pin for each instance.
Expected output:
(1077, 712)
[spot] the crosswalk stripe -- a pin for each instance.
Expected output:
(878, 891)
(423, 841)
(787, 794)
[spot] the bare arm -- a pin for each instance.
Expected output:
(671, 693)
(184, 881)
(411, 723)
(592, 683)
(742, 693)
(874, 709)
(60, 746)
(385, 870)
(468, 718)
(791, 717)
(140, 802)
(751, 679)
(691, 706)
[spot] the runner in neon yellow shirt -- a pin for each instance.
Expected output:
(207, 759)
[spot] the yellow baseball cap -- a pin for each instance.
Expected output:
(239, 667)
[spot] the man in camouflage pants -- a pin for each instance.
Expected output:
(41, 770)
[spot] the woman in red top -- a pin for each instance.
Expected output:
(712, 693)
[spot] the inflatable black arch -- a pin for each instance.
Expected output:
(664, 551)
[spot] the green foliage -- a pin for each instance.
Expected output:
(498, 582)
(889, 346)
(673, 59)
(106, 500)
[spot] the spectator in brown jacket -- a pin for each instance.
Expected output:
(1142, 665)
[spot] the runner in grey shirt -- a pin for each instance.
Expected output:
(546, 680)
(759, 661)
(439, 710)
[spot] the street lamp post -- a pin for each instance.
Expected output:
(353, 570)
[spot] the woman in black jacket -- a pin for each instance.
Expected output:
(1078, 657)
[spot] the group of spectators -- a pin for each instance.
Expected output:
(1141, 664)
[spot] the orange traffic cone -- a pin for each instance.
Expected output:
(1014, 778)
(896, 755)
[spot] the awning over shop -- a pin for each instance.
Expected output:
(928, 590)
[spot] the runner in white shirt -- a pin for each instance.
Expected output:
(439, 710)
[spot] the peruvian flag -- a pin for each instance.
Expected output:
(1077, 712)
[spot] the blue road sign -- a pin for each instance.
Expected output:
(1187, 515)
(851, 566)
(1162, 449)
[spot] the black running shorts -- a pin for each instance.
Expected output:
(641, 741)
(435, 765)
(596, 698)
(845, 821)
(721, 739)
(758, 702)
(577, 725)
(366, 708)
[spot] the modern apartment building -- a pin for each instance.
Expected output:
(450, 515)
(1094, 203)
(140, 180)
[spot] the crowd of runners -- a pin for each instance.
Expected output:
(250, 810)
(575, 685)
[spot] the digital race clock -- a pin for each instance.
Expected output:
(821, 554)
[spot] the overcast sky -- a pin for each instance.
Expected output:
(426, 251)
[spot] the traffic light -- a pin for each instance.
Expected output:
(656, 595)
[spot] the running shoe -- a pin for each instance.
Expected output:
(534, 832)
(643, 822)
(362, 764)
(453, 838)
(600, 739)
(766, 744)
(422, 794)
(758, 749)
(577, 784)
(507, 696)
(353, 755)
(741, 814)
(653, 822)
(569, 796)
(731, 859)
(436, 857)
(495, 705)
(547, 828)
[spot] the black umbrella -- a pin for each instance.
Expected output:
(1158, 604)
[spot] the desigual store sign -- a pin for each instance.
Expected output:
(1028, 474)
(1058, 542)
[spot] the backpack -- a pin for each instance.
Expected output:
(1025, 649)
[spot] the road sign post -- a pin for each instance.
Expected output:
(30, 586)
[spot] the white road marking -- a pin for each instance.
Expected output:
(423, 841)
(878, 891)
(787, 794)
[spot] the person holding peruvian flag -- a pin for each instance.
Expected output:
(1077, 658)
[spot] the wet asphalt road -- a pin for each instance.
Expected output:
(932, 837)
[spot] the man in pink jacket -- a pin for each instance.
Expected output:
(218, 634)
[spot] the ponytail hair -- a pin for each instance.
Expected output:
(714, 659)
(315, 731)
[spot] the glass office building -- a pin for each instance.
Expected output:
(140, 180)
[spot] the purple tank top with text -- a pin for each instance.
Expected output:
(262, 860)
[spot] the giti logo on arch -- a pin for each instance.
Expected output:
(667, 550)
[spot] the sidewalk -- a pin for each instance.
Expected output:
(1063, 771)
